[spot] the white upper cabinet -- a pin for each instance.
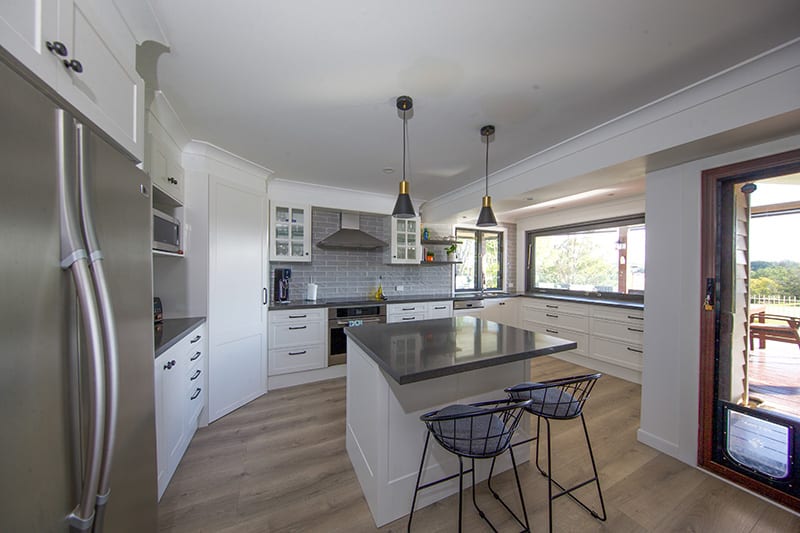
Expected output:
(405, 241)
(27, 27)
(70, 48)
(290, 238)
(164, 161)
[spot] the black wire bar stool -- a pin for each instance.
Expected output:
(474, 431)
(558, 399)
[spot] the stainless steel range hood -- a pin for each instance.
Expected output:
(350, 236)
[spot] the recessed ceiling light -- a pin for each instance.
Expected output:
(388, 170)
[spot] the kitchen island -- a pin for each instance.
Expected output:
(396, 372)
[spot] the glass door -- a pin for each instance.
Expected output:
(750, 360)
(291, 233)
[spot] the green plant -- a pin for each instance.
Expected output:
(451, 249)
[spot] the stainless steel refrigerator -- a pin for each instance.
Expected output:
(78, 444)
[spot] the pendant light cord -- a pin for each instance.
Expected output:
(405, 136)
(487, 165)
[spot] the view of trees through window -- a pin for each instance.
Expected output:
(481, 256)
(599, 257)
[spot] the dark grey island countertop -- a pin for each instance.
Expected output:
(417, 351)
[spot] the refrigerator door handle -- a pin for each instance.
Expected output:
(74, 258)
(108, 325)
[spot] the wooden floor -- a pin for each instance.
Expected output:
(279, 465)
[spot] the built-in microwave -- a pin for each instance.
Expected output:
(166, 233)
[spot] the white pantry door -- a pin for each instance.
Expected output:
(237, 306)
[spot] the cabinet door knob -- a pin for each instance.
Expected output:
(57, 47)
(74, 64)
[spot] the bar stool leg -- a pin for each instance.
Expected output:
(460, 488)
(549, 477)
(519, 488)
(596, 477)
(419, 476)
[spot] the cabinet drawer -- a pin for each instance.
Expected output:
(582, 339)
(635, 316)
(618, 353)
(296, 359)
(557, 319)
(440, 309)
(298, 315)
(573, 308)
(393, 309)
(406, 317)
(286, 334)
(623, 331)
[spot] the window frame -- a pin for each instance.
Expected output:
(530, 255)
(500, 232)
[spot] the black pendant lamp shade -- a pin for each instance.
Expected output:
(403, 208)
(487, 218)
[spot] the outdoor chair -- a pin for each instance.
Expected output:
(768, 327)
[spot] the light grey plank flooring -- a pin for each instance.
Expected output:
(279, 465)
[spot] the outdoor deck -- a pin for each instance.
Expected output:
(775, 377)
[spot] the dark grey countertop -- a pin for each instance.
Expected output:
(169, 332)
(417, 351)
(362, 300)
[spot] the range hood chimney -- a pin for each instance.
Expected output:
(350, 236)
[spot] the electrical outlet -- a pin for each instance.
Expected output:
(399, 288)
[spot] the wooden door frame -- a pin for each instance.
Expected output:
(712, 179)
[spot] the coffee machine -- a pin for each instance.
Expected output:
(280, 289)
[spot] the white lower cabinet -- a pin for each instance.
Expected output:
(297, 340)
(609, 338)
(414, 311)
(179, 384)
(501, 310)
(617, 336)
(566, 320)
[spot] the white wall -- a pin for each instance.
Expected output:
(673, 297)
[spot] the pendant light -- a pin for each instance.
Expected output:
(486, 218)
(403, 208)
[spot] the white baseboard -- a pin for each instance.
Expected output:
(309, 376)
(669, 448)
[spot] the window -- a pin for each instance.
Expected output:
(481, 256)
(603, 257)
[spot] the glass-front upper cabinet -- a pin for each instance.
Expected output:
(290, 233)
(405, 241)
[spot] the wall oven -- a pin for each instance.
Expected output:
(349, 317)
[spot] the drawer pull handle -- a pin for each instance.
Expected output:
(441, 307)
(195, 356)
(636, 330)
(409, 318)
(550, 316)
(196, 393)
(298, 353)
(501, 303)
(634, 350)
(169, 365)
(551, 306)
(636, 317)
(409, 309)
(298, 316)
(196, 375)
(195, 339)
(297, 327)
(554, 332)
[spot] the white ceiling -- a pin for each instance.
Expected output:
(308, 88)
